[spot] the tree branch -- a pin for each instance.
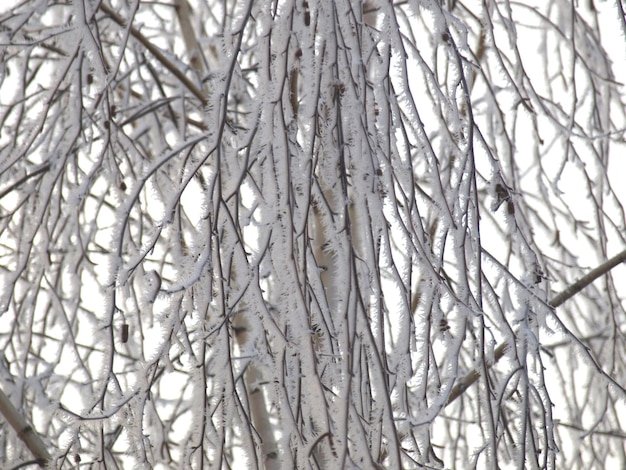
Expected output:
(24, 430)
(158, 54)
(556, 301)
(587, 279)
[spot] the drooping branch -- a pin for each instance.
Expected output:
(558, 300)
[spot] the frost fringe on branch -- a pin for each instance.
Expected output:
(307, 234)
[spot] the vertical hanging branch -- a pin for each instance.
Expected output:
(184, 14)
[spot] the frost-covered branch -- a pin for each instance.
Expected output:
(279, 234)
(471, 378)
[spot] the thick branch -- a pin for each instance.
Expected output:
(183, 12)
(587, 279)
(558, 300)
(24, 430)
